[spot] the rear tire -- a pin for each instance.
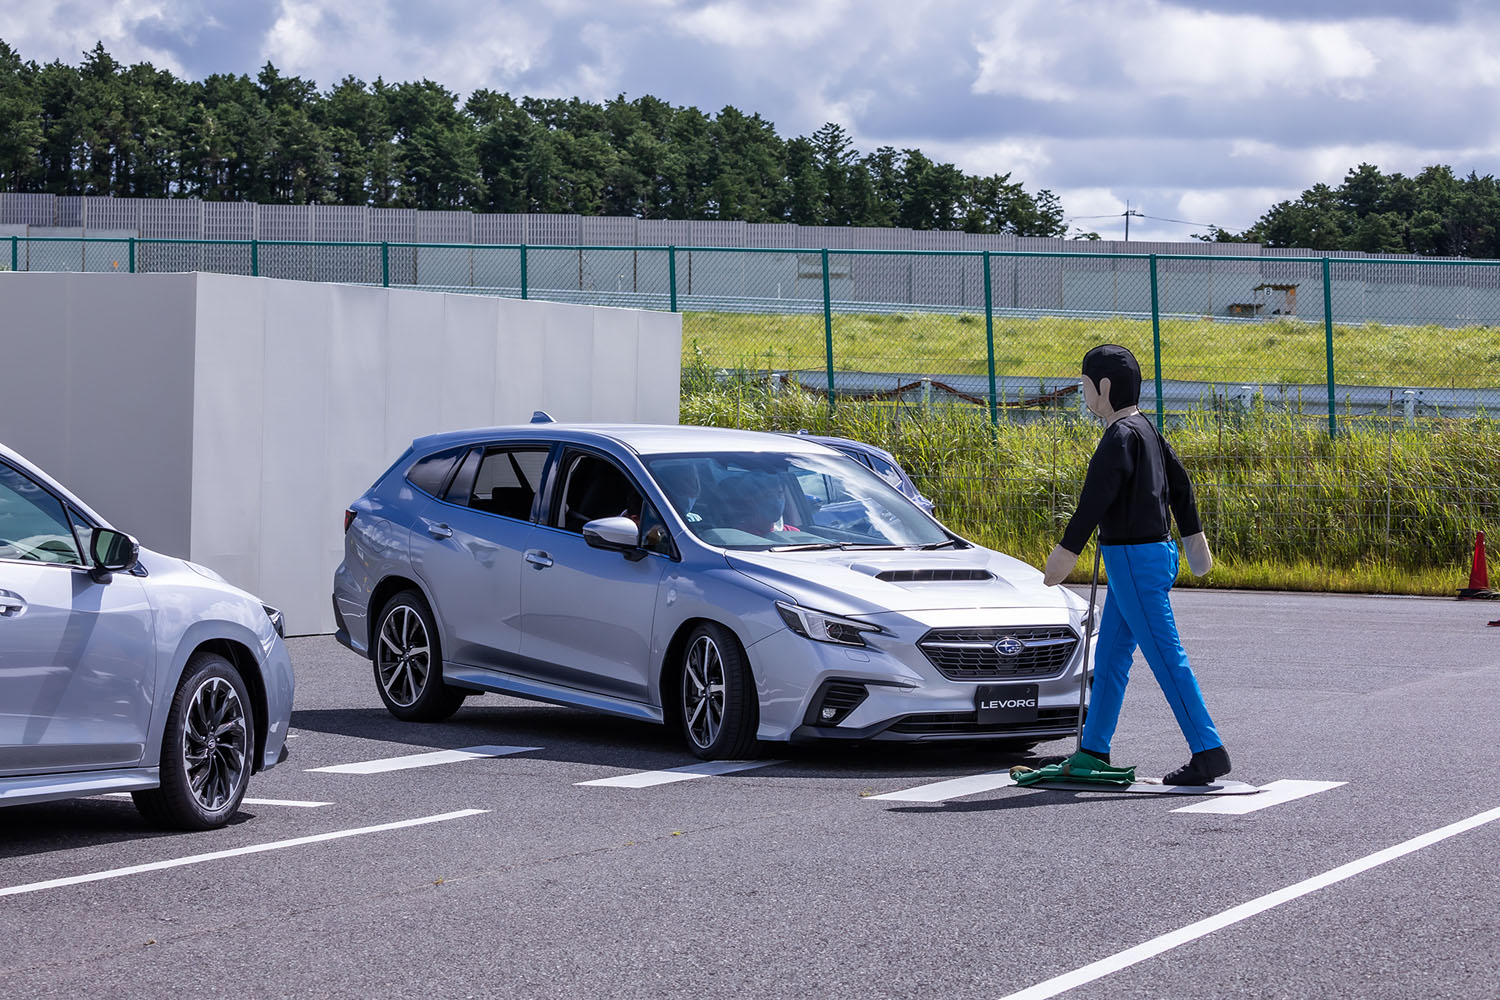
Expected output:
(207, 749)
(717, 702)
(408, 662)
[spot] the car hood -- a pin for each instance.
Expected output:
(874, 581)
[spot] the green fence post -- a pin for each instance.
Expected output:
(1333, 420)
(989, 337)
(523, 270)
(132, 255)
(672, 275)
(828, 330)
(1161, 412)
(255, 258)
(15, 253)
(385, 264)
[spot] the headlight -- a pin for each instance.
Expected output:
(276, 620)
(821, 627)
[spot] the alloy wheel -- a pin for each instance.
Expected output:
(703, 691)
(214, 743)
(404, 656)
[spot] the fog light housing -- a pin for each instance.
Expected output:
(834, 700)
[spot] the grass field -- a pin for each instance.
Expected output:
(1268, 352)
(1376, 511)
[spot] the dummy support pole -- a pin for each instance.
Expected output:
(1088, 632)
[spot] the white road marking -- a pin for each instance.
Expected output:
(275, 845)
(1273, 794)
(645, 779)
(421, 760)
(1166, 942)
(293, 803)
(941, 791)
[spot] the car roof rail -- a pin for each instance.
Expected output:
(542, 417)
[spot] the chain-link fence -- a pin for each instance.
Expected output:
(1339, 414)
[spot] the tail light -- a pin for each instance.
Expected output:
(348, 519)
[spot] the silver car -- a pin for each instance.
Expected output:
(124, 670)
(689, 576)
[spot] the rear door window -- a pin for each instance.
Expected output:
(500, 480)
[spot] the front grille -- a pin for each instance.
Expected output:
(943, 575)
(966, 654)
(965, 723)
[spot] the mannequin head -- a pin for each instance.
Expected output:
(1111, 380)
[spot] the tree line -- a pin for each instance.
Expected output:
(104, 128)
(1435, 213)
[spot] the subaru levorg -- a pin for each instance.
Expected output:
(125, 670)
(690, 576)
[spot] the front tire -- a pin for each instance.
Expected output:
(207, 750)
(408, 662)
(718, 705)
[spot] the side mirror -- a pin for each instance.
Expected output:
(112, 552)
(619, 534)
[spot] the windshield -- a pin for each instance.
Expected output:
(771, 501)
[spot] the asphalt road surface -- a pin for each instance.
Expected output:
(1368, 869)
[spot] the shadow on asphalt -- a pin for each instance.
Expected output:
(586, 738)
(47, 827)
(1040, 797)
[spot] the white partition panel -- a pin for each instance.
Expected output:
(230, 419)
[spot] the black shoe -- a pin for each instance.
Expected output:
(1095, 753)
(1205, 766)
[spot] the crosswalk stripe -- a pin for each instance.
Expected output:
(941, 791)
(709, 768)
(1273, 794)
(421, 760)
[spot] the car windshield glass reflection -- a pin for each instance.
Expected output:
(772, 501)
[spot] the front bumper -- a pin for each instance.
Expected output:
(906, 698)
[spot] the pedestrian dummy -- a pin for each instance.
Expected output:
(1134, 486)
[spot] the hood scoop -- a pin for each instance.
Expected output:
(935, 574)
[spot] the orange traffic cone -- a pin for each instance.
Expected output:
(1479, 575)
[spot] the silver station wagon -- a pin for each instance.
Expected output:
(739, 586)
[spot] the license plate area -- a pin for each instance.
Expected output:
(996, 704)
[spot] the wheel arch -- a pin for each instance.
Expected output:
(248, 667)
(387, 588)
(666, 678)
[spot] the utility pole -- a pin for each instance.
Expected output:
(1128, 213)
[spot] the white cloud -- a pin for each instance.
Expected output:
(45, 32)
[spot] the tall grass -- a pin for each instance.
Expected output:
(1387, 509)
(1285, 350)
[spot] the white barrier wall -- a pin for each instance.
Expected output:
(231, 419)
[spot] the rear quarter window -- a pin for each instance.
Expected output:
(430, 474)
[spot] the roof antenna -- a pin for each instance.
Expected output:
(542, 417)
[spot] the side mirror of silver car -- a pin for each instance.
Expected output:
(112, 552)
(618, 534)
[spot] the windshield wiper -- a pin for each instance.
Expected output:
(945, 543)
(865, 547)
(804, 547)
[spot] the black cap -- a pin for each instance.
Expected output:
(1117, 364)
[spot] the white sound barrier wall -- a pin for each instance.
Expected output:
(230, 420)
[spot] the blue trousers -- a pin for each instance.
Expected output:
(1138, 613)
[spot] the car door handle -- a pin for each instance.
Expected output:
(538, 558)
(11, 605)
(439, 531)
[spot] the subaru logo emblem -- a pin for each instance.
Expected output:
(1009, 646)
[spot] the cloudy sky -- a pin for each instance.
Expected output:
(1188, 109)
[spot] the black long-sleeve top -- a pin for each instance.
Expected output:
(1133, 478)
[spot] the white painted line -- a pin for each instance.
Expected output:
(645, 779)
(275, 845)
(941, 791)
(1166, 942)
(421, 760)
(293, 803)
(1273, 794)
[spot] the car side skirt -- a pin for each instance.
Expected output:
(51, 787)
(480, 679)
